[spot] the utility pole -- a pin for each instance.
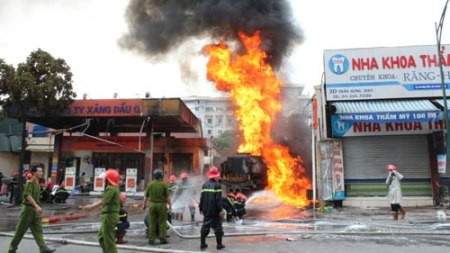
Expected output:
(440, 52)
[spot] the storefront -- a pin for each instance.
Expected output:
(129, 135)
(382, 105)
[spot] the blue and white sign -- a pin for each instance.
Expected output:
(442, 163)
(390, 116)
(384, 73)
(341, 128)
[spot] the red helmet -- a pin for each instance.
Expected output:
(123, 197)
(50, 184)
(112, 176)
(213, 172)
(391, 167)
(172, 178)
(241, 196)
(184, 175)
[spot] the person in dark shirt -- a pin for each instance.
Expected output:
(211, 206)
(123, 224)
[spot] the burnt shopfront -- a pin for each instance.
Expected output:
(137, 134)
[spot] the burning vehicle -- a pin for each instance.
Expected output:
(243, 172)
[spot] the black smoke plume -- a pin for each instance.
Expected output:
(156, 27)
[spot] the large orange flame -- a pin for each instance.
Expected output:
(255, 90)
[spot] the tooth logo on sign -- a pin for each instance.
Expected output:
(339, 127)
(338, 64)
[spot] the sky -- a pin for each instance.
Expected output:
(85, 33)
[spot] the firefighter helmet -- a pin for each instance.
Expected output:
(213, 172)
(172, 178)
(391, 167)
(241, 196)
(123, 197)
(231, 195)
(184, 175)
(158, 174)
(112, 176)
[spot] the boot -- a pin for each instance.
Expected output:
(203, 244)
(402, 212)
(219, 243)
(181, 217)
(120, 236)
(192, 217)
(395, 216)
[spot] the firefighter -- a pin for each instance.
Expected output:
(110, 212)
(240, 205)
(30, 215)
(61, 194)
(211, 207)
(173, 188)
(229, 206)
(186, 196)
(156, 195)
(124, 224)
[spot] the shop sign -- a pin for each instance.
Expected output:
(99, 179)
(69, 180)
(345, 128)
(131, 179)
(385, 73)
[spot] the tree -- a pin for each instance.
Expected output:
(226, 142)
(42, 86)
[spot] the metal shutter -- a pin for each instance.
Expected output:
(367, 157)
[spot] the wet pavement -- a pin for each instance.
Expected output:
(266, 228)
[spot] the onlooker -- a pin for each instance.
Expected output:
(211, 208)
(395, 191)
(30, 216)
(83, 182)
(12, 187)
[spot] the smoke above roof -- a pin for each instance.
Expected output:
(158, 27)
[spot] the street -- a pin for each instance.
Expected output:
(268, 229)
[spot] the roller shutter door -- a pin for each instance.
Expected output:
(367, 157)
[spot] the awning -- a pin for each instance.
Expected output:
(387, 111)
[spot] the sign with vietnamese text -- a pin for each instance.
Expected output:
(69, 180)
(99, 179)
(104, 108)
(383, 73)
(341, 128)
(131, 178)
(338, 171)
(442, 163)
